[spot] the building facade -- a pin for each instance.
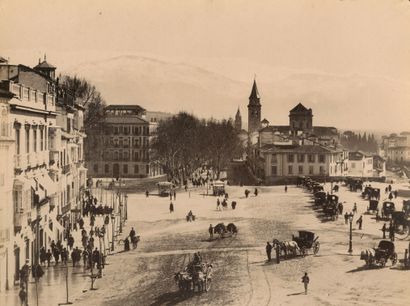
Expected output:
(360, 164)
(289, 160)
(119, 145)
(30, 99)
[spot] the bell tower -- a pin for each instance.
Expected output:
(254, 110)
(238, 120)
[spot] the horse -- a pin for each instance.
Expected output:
(220, 229)
(287, 247)
(231, 228)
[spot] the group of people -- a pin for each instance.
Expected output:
(91, 206)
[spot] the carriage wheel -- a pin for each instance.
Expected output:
(207, 284)
(383, 262)
(394, 259)
(402, 231)
(316, 247)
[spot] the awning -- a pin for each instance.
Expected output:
(46, 183)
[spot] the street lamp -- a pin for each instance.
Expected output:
(350, 236)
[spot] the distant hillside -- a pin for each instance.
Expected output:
(348, 102)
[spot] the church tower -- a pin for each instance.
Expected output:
(254, 110)
(238, 121)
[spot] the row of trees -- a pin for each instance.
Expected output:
(354, 142)
(183, 143)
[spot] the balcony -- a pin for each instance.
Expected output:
(65, 209)
(66, 169)
(18, 220)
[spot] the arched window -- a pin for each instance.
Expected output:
(4, 132)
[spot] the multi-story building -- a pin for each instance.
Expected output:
(35, 195)
(360, 164)
(289, 160)
(119, 145)
(396, 148)
(6, 188)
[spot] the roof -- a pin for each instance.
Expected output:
(358, 155)
(324, 130)
(45, 65)
(124, 107)
(307, 149)
(264, 121)
(3, 60)
(254, 93)
(300, 108)
(274, 128)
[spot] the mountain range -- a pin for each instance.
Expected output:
(348, 102)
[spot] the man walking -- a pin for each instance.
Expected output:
(171, 208)
(305, 281)
(269, 251)
(23, 296)
(384, 230)
(359, 222)
(211, 231)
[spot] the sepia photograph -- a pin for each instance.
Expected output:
(204, 152)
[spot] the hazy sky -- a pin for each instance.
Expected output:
(235, 38)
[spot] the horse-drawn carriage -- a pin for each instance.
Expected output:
(371, 193)
(401, 223)
(330, 211)
(307, 241)
(218, 188)
(225, 231)
(387, 209)
(316, 187)
(320, 197)
(380, 255)
(300, 244)
(354, 184)
(165, 188)
(195, 275)
(373, 206)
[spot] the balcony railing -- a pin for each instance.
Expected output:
(18, 220)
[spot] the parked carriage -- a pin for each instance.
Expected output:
(332, 199)
(380, 255)
(406, 207)
(164, 188)
(401, 223)
(330, 211)
(388, 208)
(307, 241)
(218, 188)
(373, 206)
(371, 193)
(320, 197)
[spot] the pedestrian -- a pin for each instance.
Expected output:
(286, 188)
(147, 193)
(354, 208)
(384, 230)
(391, 232)
(64, 255)
(346, 217)
(269, 251)
(256, 192)
(390, 188)
(395, 194)
(360, 221)
(218, 204)
(70, 242)
(48, 257)
(171, 208)
(305, 281)
(277, 249)
(390, 196)
(211, 231)
(170, 195)
(175, 195)
(23, 296)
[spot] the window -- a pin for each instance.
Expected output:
(321, 158)
(310, 169)
(147, 169)
(121, 143)
(321, 170)
(4, 123)
(125, 169)
(120, 156)
(35, 140)
(291, 158)
(311, 158)
(17, 141)
(95, 168)
(115, 155)
(42, 140)
(116, 130)
(274, 158)
(300, 169)
(301, 158)
(27, 140)
(290, 169)
(136, 169)
(274, 170)
(107, 168)
(126, 155)
(121, 129)
(126, 130)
